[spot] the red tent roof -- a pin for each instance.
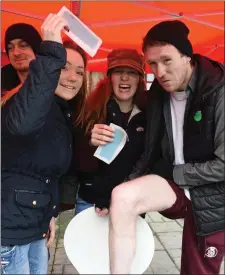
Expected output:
(123, 24)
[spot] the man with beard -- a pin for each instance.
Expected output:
(22, 42)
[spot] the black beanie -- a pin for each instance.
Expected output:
(25, 32)
(172, 32)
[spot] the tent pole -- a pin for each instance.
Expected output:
(97, 60)
(219, 12)
(75, 7)
(180, 15)
(211, 51)
(30, 15)
(128, 21)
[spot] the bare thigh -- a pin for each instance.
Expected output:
(144, 194)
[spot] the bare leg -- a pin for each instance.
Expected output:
(130, 199)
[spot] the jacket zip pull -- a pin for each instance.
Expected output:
(127, 135)
(126, 131)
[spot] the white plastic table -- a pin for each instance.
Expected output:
(86, 244)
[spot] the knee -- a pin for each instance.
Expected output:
(123, 199)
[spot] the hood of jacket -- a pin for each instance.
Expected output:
(210, 75)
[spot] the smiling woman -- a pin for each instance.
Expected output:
(37, 143)
(72, 84)
(72, 75)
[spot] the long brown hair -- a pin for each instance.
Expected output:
(9, 94)
(77, 104)
(95, 109)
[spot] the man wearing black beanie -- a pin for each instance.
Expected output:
(22, 43)
(181, 174)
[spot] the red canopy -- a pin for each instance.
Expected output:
(123, 24)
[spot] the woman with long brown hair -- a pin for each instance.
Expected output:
(119, 99)
(37, 148)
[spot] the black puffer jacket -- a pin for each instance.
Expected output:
(36, 150)
(9, 79)
(203, 171)
(98, 187)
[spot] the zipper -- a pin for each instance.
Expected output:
(200, 124)
(197, 229)
(127, 132)
(193, 212)
(187, 108)
(127, 136)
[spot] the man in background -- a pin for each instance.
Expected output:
(22, 43)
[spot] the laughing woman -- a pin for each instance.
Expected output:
(36, 149)
(117, 99)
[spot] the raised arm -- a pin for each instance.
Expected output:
(26, 112)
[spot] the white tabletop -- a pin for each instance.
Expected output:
(86, 244)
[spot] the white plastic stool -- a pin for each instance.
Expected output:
(86, 244)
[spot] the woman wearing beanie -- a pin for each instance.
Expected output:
(36, 149)
(118, 99)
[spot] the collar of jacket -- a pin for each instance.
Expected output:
(134, 112)
(114, 113)
(112, 102)
(63, 104)
(208, 75)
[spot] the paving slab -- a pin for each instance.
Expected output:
(162, 264)
(167, 235)
(61, 257)
(155, 217)
(168, 226)
(170, 240)
(69, 269)
(158, 244)
(57, 269)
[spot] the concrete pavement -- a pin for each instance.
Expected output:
(166, 260)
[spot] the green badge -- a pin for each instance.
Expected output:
(198, 116)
